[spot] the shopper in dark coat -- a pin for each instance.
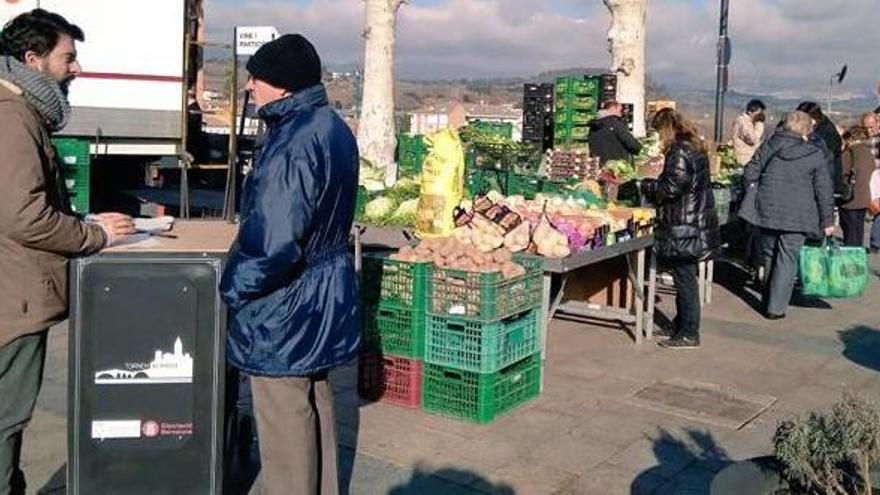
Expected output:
(687, 229)
(858, 166)
(290, 281)
(610, 138)
(825, 131)
(792, 199)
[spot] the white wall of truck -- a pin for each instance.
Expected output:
(131, 93)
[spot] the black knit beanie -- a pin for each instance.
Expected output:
(289, 62)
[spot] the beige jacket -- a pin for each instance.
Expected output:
(747, 136)
(38, 233)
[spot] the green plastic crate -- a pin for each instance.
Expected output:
(395, 282)
(480, 397)
(411, 154)
(527, 186)
(504, 129)
(480, 182)
(481, 347)
(77, 181)
(486, 296)
(571, 133)
(72, 152)
(577, 86)
(579, 103)
(75, 161)
(395, 330)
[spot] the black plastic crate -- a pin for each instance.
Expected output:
(532, 89)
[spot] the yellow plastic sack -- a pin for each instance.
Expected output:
(442, 185)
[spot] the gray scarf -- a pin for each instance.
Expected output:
(38, 89)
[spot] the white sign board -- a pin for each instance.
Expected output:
(249, 39)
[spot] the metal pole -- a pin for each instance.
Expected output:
(232, 163)
(183, 158)
(721, 76)
(830, 90)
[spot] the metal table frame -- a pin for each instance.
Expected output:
(641, 314)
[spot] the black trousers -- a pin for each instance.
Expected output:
(687, 298)
(852, 222)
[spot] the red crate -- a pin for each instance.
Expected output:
(391, 379)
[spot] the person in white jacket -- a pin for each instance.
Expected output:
(748, 131)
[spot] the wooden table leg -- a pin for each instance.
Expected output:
(545, 321)
(710, 278)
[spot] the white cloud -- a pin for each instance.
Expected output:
(777, 43)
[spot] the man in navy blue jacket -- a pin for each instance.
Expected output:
(290, 281)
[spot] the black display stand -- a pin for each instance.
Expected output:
(146, 383)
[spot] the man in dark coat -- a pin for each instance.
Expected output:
(290, 281)
(793, 199)
(825, 132)
(610, 138)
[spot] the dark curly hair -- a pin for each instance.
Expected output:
(35, 31)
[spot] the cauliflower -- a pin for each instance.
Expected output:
(378, 209)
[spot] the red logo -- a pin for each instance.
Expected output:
(150, 429)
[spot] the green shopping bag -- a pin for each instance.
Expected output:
(833, 271)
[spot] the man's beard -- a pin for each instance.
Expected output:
(65, 85)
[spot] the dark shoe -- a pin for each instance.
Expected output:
(681, 343)
(874, 250)
(774, 316)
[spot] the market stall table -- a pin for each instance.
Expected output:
(147, 332)
(635, 251)
(381, 237)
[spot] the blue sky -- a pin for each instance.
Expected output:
(778, 44)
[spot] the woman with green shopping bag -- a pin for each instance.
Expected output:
(789, 197)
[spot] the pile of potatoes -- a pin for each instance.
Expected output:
(450, 253)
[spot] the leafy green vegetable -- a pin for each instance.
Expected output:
(622, 170)
(405, 214)
(378, 209)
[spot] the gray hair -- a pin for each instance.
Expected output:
(799, 123)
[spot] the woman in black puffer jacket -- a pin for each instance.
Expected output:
(687, 224)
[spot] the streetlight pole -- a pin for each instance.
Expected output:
(721, 77)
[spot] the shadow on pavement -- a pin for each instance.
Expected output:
(448, 481)
(737, 281)
(861, 345)
(683, 465)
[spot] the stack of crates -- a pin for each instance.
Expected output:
(609, 89)
(482, 342)
(538, 115)
(75, 162)
(627, 115)
(411, 153)
(576, 104)
(393, 304)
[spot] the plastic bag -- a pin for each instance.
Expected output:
(834, 271)
(442, 185)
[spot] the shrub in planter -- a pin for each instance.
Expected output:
(831, 453)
